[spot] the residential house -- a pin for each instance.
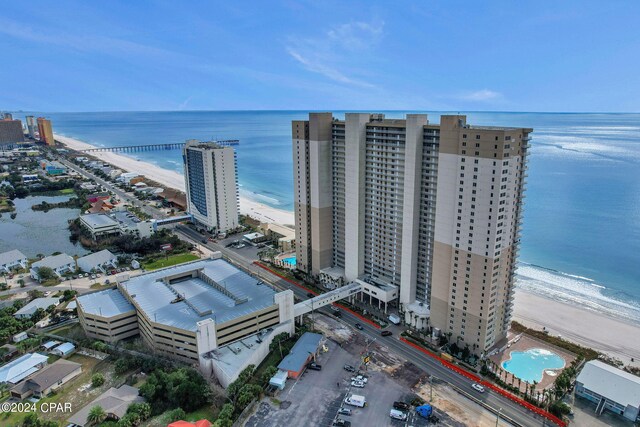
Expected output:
(98, 262)
(47, 380)
(28, 310)
(12, 260)
(19, 369)
(114, 401)
(60, 264)
(7, 352)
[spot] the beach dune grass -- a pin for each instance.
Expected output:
(170, 260)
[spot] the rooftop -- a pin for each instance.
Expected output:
(11, 257)
(65, 348)
(37, 303)
(98, 220)
(54, 261)
(15, 371)
(299, 354)
(181, 302)
(107, 303)
(231, 358)
(114, 401)
(97, 258)
(613, 383)
(50, 375)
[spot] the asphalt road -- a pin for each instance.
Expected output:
(429, 365)
(124, 196)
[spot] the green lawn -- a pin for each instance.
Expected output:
(171, 260)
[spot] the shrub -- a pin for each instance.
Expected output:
(97, 380)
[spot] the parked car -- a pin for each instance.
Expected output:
(360, 378)
(357, 384)
(349, 368)
(401, 406)
(477, 387)
(344, 411)
(310, 295)
(107, 281)
(204, 241)
(358, 326)
(342, 423)
(386, 333)
(337, 313)
(314, 366)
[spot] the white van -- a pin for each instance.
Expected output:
(398, 415)
(356, 400)
(394, 319)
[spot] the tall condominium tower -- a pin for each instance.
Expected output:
(31, 126)
(211, 181)
(424, 216)
(10, 132)
(45, 130)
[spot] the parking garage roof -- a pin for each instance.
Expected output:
(183, 302)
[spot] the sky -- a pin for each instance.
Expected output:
(568, 56)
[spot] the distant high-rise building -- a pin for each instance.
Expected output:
(423, 216)
(7, 116)
(10, 132)
(45, 131)
(31, 126)
(211, 181)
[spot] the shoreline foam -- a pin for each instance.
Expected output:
(173, 179)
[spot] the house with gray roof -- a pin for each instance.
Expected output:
(98, 261)
(28, 310)
(60, 264)
(114, 401)
(47, 380)
(12, 260)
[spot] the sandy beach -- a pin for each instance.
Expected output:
(606, 334)
(173, 179)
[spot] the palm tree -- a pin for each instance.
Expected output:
(3, 389)
(96, 415)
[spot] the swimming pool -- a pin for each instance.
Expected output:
(290, 260)
(530, 365)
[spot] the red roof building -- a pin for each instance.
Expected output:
(201, 423)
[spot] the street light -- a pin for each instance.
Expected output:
(498, 416)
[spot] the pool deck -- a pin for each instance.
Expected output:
(526, 343)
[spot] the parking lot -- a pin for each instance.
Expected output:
(315, 398)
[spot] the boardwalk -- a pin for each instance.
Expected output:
(153, 147)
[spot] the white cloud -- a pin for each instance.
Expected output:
(331, 53)
(481, 95)
(317, 66)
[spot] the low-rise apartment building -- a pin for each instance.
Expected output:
(12, 260)
(60, 264)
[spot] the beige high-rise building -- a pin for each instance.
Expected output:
(211, 180)
(425, 216)
(46, 131)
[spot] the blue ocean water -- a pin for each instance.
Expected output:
(581, 233)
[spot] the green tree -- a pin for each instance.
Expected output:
(96, 415)
(268, 374)
(97, 379)
(176, 415)
(46, 273)
(21, 283)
